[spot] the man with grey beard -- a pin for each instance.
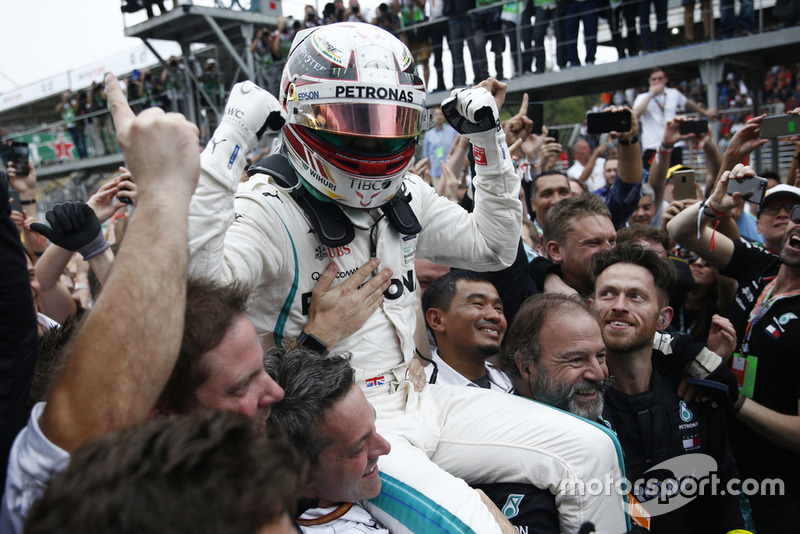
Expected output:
(555, 354)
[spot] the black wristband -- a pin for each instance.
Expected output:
(28, 202)
(632, 141)
(312, 343)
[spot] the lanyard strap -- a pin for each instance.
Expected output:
(659, 104)
(762, 306)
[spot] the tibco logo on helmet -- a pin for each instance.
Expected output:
(355, 108)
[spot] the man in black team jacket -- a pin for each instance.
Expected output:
(766, 432)
(656, 428)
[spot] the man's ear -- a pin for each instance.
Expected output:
(524, 383)
(665, 316)
(434, 318)
(553, 251)
(523, 370)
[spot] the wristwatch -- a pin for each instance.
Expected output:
(312, 343)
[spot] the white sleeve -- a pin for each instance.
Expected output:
(34, 460)
(484, 240)
(232, 240)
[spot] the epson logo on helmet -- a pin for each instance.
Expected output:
(382, 93)
(309, 95)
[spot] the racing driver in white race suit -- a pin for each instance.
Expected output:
(354, 107)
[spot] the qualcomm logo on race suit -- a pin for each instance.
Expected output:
(395, 291)
(689, 477)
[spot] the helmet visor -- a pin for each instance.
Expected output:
(385, 120)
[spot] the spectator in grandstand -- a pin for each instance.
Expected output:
(547, 12)
(353, 13)
(150, 88)
(438, 33)
(213, 83)
(728, 19)
(266, 49)
(645, 30)
(617, 12)
(487, 28)
(516, 21)
(312, 18)
(459, 30)
(89, 124)
(105, 125)
(132, 6)
(437, 142)
(657, 107)
(577, 12)
(333, 12)
(67, 108)
(588, 164)
(385, 18)
(411, 13)
(688, 19)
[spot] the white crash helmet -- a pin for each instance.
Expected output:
(355, 108)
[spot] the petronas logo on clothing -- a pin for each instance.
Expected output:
(686, 414)
(511, 507)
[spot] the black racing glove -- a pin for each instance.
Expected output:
(74, 226)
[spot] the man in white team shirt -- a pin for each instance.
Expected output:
(465, 315)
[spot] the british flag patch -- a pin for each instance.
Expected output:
(376, 381)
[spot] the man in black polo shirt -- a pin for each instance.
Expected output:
(766, 432)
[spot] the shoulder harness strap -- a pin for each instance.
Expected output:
(328, 219)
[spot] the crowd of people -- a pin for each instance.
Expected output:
(519, 27)
(325, 342)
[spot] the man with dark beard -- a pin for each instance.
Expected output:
(654, 425)
(465, 314)
(555, 354)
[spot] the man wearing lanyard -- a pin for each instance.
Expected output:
(766, 430)
(656, 107)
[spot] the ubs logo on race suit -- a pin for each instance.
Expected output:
(321, 253)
